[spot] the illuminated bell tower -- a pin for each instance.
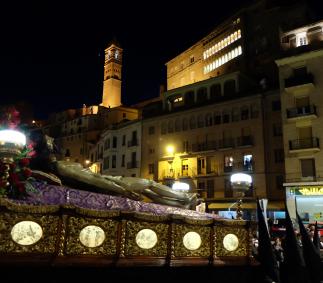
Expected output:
(112, 76)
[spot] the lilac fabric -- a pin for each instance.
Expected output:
(45, 194)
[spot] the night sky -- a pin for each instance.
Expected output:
(52, 52)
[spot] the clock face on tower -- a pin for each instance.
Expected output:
(26, 233)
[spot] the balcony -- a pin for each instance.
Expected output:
(309, 144)
(300, 84)
(226, 143)
(205, 146)
(132, 165)
(244, 141)
(297, 113)
(240, 167)
(133, 143)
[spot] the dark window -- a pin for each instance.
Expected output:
(217, 119)
(124, 115)
(277, 130)
(202, 94)
(227, 188)
(279, 155)
(151, 130)
(308, 167)
(215, 91)
(226, 118)
(114, 142)
(201, 188)
(210, 188)
(151, 168)
(114, 161)
(276, 105)
(185, 146)
(106, 162)
(189, 98)
(300, 72)
(123, 160)
(124, 140)
(244, 113)
(67, 153)
(229, 88)
(279, 182)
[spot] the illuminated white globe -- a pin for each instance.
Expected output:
(12, 136)
(241, 178)
(179, 186)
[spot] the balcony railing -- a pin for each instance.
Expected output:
(299, 80)
(211, 145)
(132, 164)
(226, 143)
(133, 143)
(245, 141)
(304, 144)
(240, 166)
(301, 111)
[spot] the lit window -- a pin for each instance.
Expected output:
(239, 50)
(239, 33)
(235, 36)
(178, 99)
(204, 55)
(301, 39)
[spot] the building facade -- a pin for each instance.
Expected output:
(301, 83)
(203, 141)
(118, 152)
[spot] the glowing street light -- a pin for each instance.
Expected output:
(180, 186)
(240, 183)
(11, 144)
(170, 149)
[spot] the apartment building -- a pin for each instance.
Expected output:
(301, 85)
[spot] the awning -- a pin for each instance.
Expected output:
(272, 205)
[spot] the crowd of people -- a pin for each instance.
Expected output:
(278, 243)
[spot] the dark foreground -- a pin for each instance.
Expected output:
(130, 275)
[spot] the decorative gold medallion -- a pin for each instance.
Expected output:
(146, 239)
(92, 236)
(230, 242)
(26, 233)
(192, 241)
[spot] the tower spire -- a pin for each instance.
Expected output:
(112, 75)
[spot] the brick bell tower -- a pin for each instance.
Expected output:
(112, 76)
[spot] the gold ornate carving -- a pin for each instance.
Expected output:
(179, 231)
(151, 217)
(131, 247)
(61, 246)
(196, 221)
(46, 244)
(74, 245)
(27, 208)
(123, 238)
(241, 232)
(97, 213)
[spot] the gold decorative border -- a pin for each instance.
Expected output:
(47, 244)
(131, 247)
(27, 208)
(179, 231)
(74, 245)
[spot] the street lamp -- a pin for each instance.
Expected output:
(11, 144)
(240, 183)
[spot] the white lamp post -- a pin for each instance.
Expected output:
(240, 183)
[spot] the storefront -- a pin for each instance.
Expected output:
(306, 199)
(249, 207)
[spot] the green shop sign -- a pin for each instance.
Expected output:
(307, 191)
